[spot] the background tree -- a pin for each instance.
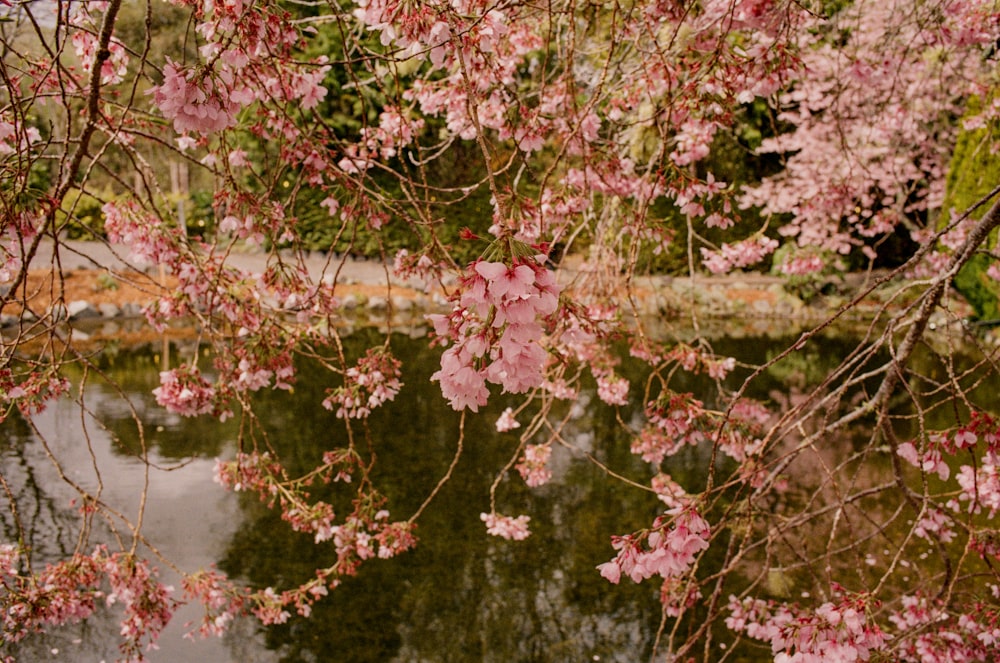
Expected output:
(584, 134)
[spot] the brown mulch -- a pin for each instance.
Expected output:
(101, 287)
(94, 286)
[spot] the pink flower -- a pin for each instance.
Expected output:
(669, 551)
(461, 384)
(183, 390)
(10, 557)
(612, 389)
(533, 465)
(515, 529)
(193, 105)
(496, 330)
(611, 571)
(368, 385)
(507, 422)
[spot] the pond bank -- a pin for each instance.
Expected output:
(99, 284)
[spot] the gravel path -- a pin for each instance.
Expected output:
(77, 254)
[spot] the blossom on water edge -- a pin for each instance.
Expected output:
(507, 422)
(510, 528)
(183, 390)
(533, 466)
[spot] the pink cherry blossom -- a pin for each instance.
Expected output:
(533, 466)
(183, 390)
(507, 527)
(193, 105)
(496, 328)
(507, 422)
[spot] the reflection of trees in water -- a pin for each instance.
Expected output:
(846, 507)
(459, 595)
(50, 530)
(170, 435)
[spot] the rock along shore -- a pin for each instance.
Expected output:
(99, 284)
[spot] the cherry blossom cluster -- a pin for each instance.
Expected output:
(695, 360)
(223, 298)
(678, 595)
(393, 132)
(935, 525)
(738, 254)
(804, 263)
(367, 385)
(506, 422)
(928, 632)
(675, 420)
(222, 601)
(16, 137)
(63, 593)
(30, 392)
(740, 432)
(363, 534)
(583, 337)
(10, 560)
(69, 591)
(185, 391)
(408, 266)
(668, 549)
(241, 67)
(147, 604)
(11, 260)
(507, 527)
(85, 45)
(836, 631)
(196, 103)
(533, 466)
(930, 460)
(669, 491)
(981, 486)
(495, 329)
(980, 483)
(872, 122)
(149, 240)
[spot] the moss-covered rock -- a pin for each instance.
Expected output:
(974, 171)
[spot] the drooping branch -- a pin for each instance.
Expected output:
(931, 299)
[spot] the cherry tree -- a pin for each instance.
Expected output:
(584, 121)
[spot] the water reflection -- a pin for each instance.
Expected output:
(459, 596)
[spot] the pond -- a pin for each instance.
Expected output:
(460, 595)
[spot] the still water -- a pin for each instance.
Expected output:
(460, 595)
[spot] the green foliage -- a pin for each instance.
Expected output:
(105, 281)
(80, 215)
(456, 169)
(200, 216)
(978, 288)
(974, 171)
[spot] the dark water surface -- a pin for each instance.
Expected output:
(459, 596)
